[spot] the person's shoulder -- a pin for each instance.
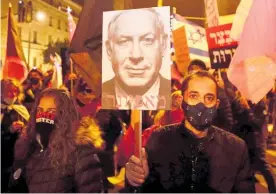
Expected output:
(88, 134)
(86, 153)
(227, 139)
(163, 135)
(168, 129)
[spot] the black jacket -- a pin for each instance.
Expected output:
(224, 118)
(109, 95)
(179, 162)
(8, 140)
(81, 173)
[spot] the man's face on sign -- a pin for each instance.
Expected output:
(135, 48)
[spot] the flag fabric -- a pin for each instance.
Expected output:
(71, 25)
(57, 80)
(87, 39)
(85, 46)
(15, 64)
(196, 37)
(86, 67)
(253, 67)
(87, 42)
(240, 18)
(88, 34)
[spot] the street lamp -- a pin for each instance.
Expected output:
(40, 16)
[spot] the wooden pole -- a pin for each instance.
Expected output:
(136, 120)
(71, 80)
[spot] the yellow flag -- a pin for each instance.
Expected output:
(160, 3)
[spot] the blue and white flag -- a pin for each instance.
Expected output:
(196, 38)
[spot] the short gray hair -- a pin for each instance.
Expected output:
(160, 24)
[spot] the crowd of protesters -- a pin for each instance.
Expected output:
(53, 141)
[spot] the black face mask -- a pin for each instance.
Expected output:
(44, 127)
(34, 80)
(199, 115)
(44, 130)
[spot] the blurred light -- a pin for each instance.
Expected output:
(20, 2)
(270, 128)
(40, 16)
(69, 10)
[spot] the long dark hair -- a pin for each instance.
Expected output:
(62, 141)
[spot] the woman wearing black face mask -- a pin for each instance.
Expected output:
(57, 154)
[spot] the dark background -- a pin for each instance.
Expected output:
(192, 8)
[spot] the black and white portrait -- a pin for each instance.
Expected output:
(136, 66)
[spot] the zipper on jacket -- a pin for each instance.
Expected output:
(39, 142)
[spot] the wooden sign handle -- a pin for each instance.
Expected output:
(138, 133)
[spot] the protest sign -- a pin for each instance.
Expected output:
(221, 46)
(136, 72)
(181, 49)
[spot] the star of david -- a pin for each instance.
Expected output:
(196, 36)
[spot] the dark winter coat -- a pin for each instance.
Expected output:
(8, 140)
(82, 172)
(179, 162)
(224, 118)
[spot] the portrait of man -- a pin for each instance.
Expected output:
(136, 44)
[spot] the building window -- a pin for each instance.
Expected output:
(34, 62)
(49, 40)
(59, 24)
(35, 37)
(51, 21)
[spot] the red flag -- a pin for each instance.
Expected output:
(15, 63)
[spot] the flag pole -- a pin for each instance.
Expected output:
(71, 80)
(29, 46)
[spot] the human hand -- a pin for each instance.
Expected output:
(137, 170)
(220, 83)
(17, 126)
(72, 76)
